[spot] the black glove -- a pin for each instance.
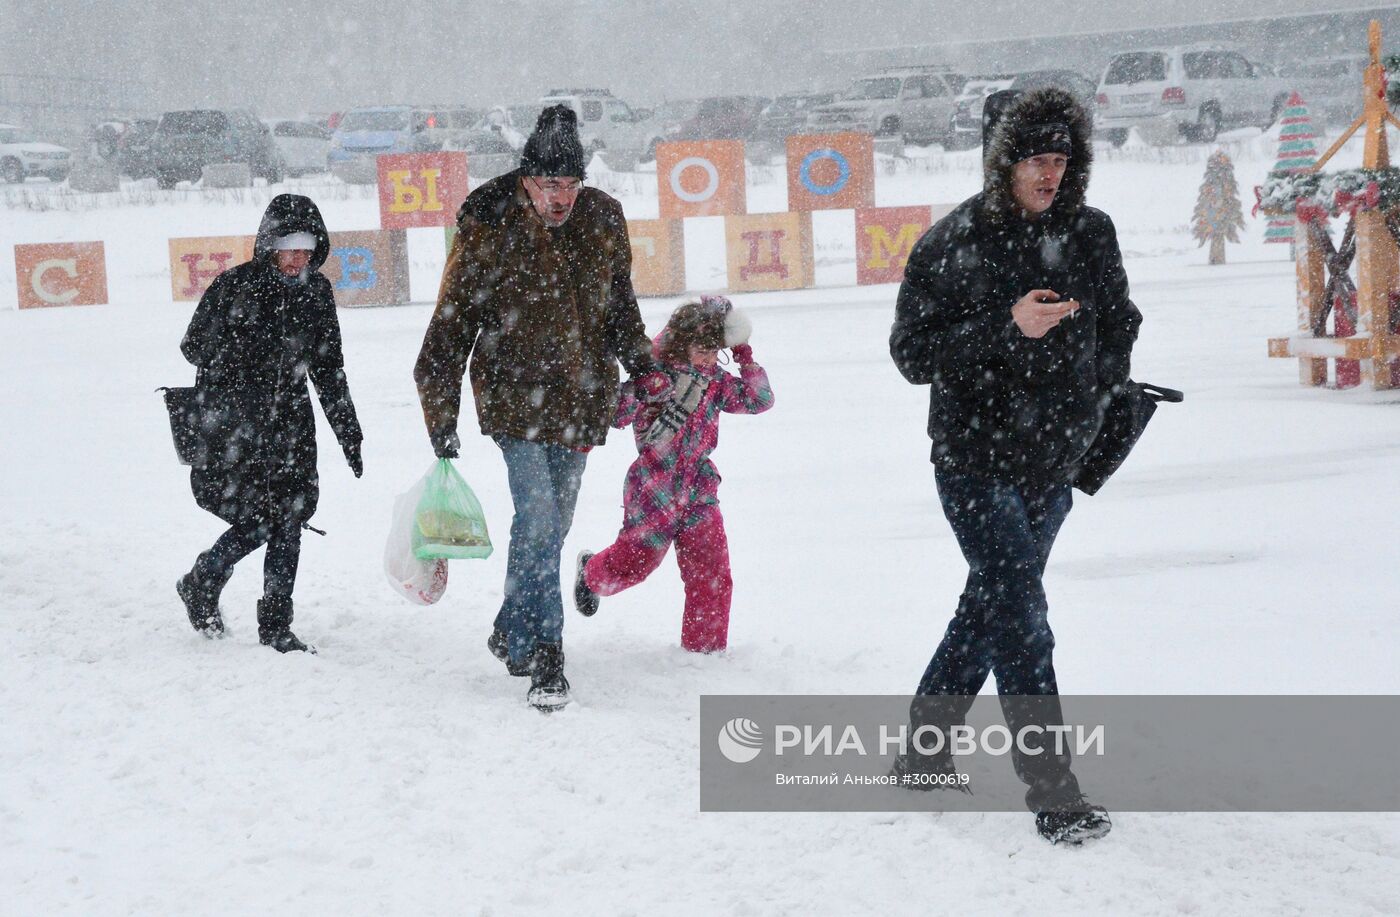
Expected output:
(445, 444)
(353, 457)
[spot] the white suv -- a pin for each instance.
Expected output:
(605, 122)
(917, 103)
(22, 156)
(1190, 92)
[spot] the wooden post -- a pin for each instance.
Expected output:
(1378, 260)
(1376, 154)
(1378, 263)
(1312, 285)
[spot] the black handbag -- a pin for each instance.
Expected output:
(1124, 420)
(188, 426)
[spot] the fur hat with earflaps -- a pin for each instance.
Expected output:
(554, 148)
(1019, 125)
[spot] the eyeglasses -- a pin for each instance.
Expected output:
(558, 185)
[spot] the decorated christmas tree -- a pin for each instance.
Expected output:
(1218, 217)
(1297, 152)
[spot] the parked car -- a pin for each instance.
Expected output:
(364, 133)
(23, 155)
(967, 109)
(967, 119)
(605, 122)
(303, 145)
(787, 115)
(186, 141)
(1190, 92)
(913, 102)
(134, 148)
(1331, 86)
(718, 118)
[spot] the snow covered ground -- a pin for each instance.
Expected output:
(1247, 547)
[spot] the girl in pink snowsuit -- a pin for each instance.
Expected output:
(671, 492)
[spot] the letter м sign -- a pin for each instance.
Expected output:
(421, 189)
(61, 274)
(884, 238)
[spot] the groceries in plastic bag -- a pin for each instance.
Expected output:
(449, 522)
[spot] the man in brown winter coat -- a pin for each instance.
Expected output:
(538, 294)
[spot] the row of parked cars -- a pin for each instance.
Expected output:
(1165, 94)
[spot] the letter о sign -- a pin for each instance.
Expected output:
(700, 179)
(831, 171)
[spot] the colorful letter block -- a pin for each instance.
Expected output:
(658, 257)
(701, 179)
(368, 268)
(769, 251)
(61, 274)
(831, 171)
(195, 262)
(421, 189)
(884, 238)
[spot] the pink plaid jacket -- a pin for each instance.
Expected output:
(674, 477)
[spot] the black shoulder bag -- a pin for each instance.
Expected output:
(1124, 420)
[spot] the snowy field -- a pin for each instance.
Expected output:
(1247, 547)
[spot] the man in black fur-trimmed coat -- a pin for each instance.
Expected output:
(1015, 311)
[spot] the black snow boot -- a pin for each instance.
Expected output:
(201, 604)
(1073, 823)
(549, 689)
(913, 770)
(275, 626)
(499, 645)
(585, 599)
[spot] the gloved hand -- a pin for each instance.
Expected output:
(654, 387)
(354, 458)
(445, 444)
(743, 354)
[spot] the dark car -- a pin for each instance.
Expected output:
(967, 117)
(133, 148)
(719, 118)
(187, 141)
(787, 115)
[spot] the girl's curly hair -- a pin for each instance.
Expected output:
(699, 323)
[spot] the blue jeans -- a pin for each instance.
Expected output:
(544, 483)
(1005, 532)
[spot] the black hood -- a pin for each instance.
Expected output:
(1038, 106)
(289, 213)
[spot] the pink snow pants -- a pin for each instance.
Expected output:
(702, 553)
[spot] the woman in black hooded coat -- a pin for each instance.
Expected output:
(260, 329)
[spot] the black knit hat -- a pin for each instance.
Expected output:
(554, 148)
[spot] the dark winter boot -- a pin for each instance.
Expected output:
(275, 626)
(913, 770)
(585, 599)
(549, 689)
(1073, 823)
(499, 645)
(202, 605)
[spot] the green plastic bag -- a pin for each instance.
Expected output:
(449, 522)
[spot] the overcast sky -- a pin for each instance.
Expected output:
(296, 56)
